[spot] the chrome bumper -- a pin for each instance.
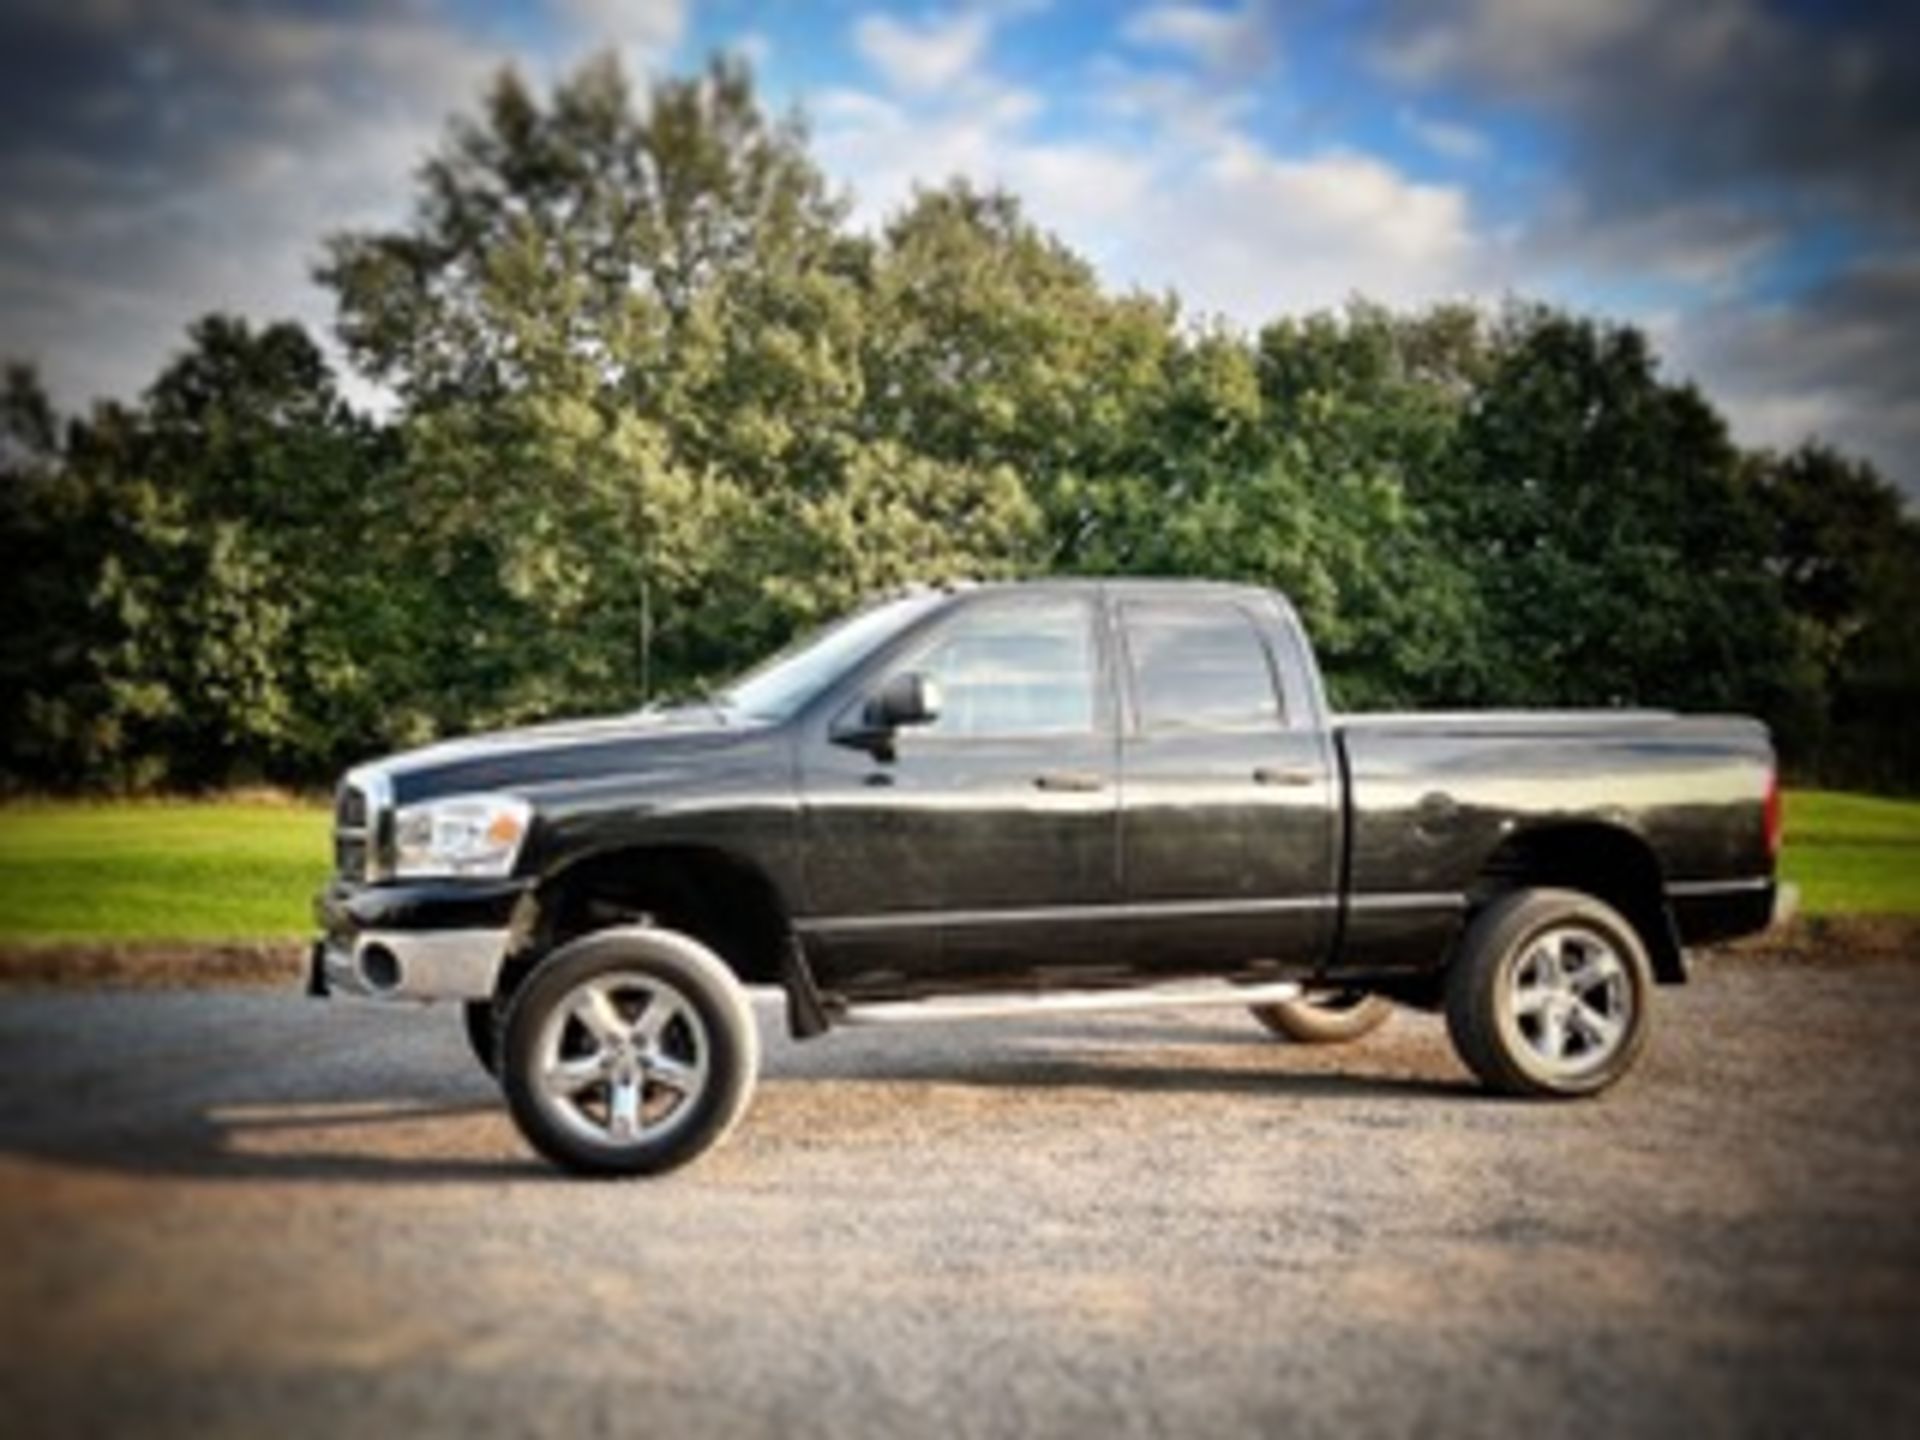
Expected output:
(409, 965)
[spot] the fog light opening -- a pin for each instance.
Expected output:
(380, 968)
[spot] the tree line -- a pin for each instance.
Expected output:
(657, 405)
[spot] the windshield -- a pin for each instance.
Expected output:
(777, 688)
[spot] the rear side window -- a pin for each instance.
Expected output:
(1198, 666)
(1026, 669)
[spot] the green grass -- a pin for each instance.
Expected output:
(183, 870)
(160, 870)
(1853, 854)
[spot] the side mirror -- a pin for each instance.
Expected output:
(910, 698)
(907, 699)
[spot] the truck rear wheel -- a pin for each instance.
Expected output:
(1326, 1017)
(1549, 995)
(629, 1052)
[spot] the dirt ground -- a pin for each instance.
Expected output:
(250, 1213)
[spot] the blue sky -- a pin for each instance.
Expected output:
(1740, 177)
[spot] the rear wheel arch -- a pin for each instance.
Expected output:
(1609, 862)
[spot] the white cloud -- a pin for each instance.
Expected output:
(923, 56)
(1237, 41)
(1835, 363)
(644, 31)
(1706, 243)
(1253, 234)
(242, 138)
(1198, 204)
(1527, 42)
(1652, 102)
(1169, 102)
(886, 148)
(753, 46)
(1446, 138)
(235, 141)
(1715, 148)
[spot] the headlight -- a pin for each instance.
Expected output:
(463, 835)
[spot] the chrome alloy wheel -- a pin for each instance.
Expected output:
(622, 1059)
(1571, 999)
(1335, 1002)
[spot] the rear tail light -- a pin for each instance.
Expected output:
(1775, 822)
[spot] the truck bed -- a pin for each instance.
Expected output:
(1433, 798)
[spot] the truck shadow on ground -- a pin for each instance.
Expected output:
(429, 1116)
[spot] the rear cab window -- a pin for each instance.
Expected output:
(1198, 665)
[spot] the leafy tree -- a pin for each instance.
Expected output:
(42, 588)
(1875, 744)
(192, 584)
(1618, 557)
(1847, 557)
(629, 345)
(656, 404)
(1367, 406)
(992, 344)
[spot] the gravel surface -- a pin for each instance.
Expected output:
(257, 1214)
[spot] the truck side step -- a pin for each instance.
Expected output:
(1181, 995)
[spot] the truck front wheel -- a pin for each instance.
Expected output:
(1326, 1017)
(629, 1052)
(481, 1020)
(1548, 995)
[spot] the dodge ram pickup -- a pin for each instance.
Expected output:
(975, 801)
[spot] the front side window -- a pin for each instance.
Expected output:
(779, 687)
(1198, 666)
(1024, 668)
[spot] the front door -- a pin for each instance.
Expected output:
(1228, 827)
(982, 847)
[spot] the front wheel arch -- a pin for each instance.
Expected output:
(480, 1020)
(723, 901)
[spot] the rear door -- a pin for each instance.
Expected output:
(1228, 821)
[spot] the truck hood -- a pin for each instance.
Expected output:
(526, 761)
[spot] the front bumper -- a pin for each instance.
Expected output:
(438, 940)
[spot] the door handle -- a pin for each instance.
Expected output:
(1068, 780)
(1269, 775)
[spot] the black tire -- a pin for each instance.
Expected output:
(1538, 971)
(481, 1020)
(712, 1029)
(1325, 1017)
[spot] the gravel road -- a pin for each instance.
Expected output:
(232, 1213)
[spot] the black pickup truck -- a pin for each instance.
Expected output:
(1004, 799)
